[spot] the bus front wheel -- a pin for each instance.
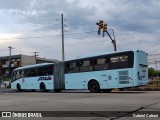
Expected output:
(19, 88)
(93, 86)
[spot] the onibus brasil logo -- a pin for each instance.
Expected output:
(21, 114)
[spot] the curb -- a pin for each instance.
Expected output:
(144, 89)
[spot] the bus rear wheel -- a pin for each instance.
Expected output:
(19, 88)
(93, 86)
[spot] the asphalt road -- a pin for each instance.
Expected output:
(72, 104)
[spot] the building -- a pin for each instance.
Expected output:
(19, 61)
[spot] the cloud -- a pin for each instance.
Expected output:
(82, 15)
(46, 13)
(135, 18)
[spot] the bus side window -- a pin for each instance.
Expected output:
(49, 70)
(25, 73)
(41, 71)
(17, 74)
(33, 72)
(119, 62)
(22, 73)
(101, 64)
(36, 72)
(72, 67)
(28, 73)
(86, 65)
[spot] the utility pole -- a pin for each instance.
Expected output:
(63, 57)
(10, 48)
(35, 55)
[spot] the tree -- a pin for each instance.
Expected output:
(152, 72)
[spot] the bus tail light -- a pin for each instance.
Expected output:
(138, 75)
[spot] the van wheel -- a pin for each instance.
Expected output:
(19, 88)
(93, 86)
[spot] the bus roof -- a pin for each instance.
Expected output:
(103, 53)
(31, 66)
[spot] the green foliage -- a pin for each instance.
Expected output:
(152, 72)
(4, 78)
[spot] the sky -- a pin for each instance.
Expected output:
(35, 26)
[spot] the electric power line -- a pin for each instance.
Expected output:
(78, 33)
(46, 36)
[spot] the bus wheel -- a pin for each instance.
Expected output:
(57, 90)
(19, 88)
(107, 90)
(42, 87)
(93, 86)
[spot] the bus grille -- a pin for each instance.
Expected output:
(123, 77)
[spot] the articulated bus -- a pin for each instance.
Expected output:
(97, 73)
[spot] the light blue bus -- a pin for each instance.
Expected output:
(97, 73)
(33, 77)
